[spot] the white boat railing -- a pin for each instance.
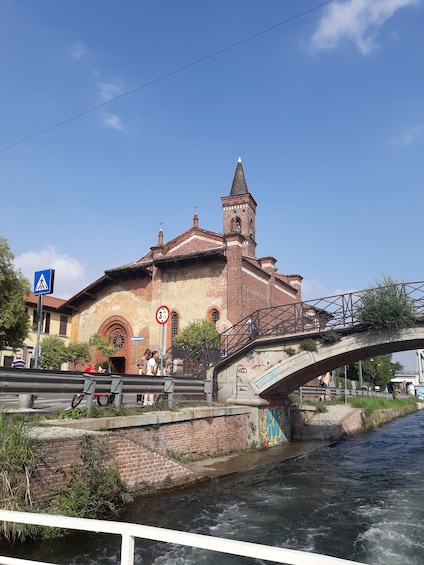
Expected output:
(129, 532)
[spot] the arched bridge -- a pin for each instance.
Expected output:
(252, 369)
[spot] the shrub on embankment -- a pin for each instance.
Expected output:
(378, 411)
(20, 455)
(93, 488)
(374, 403)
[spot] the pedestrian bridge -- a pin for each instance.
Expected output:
(276, 362)
(269, 368)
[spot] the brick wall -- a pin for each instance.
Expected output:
(142, 453)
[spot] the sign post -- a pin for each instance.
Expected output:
(43, 284)
(136, 339)
(162, 316)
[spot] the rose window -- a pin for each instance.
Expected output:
(118, 340)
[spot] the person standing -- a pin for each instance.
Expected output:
(142, 368)
(253, 331)
(18, 363)
(151, 371)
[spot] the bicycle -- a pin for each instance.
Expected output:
(103, 399)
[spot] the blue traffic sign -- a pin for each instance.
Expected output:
(44, 282)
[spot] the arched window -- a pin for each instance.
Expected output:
(214, 316)
(174, 326)
(238, 225)
(117, 336)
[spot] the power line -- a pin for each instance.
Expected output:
(165, 76)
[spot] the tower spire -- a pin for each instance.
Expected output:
(239, 185)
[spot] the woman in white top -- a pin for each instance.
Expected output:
(151, 371)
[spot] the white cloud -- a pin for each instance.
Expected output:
(78, 50)
(357, 21)
(110, 90)
(409, 137)
(113, 121)
(69, 273)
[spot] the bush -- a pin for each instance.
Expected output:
(385, 307)
(330, 337)
(94, 488)
(20, 455)
(309, 345)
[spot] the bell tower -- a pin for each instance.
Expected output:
(239, 212)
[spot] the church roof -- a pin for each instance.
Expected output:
(239, 185)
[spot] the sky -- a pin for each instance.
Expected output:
(122, 117)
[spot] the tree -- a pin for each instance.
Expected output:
(78, 352)
(386, 306)
(103, 346)
(53, 352)
(196, 334)
(376, 370)
(14, 288)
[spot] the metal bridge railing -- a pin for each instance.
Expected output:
(130, 532)
(322, 314)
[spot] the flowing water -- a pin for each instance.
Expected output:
(361, 499)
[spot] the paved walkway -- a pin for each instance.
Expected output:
(335, 413)
(232, 464)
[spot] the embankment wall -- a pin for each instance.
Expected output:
(149, 451)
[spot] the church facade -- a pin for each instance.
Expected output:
(199, 275)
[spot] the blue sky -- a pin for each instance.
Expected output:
(119, 116)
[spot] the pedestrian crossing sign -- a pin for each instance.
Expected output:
(44, 282)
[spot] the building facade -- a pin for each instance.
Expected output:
(56, 322)
(199, 275)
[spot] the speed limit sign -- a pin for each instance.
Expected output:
(162, 314)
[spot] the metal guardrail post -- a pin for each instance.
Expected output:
(25, 401)
(116, 389)
(168, 389)
(89, 390)
(208, 388)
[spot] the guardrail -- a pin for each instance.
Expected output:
(332, 393)
(30, 382)
(129, 532)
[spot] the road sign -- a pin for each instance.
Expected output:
(44, 282)
(162, 314)
(137, 338)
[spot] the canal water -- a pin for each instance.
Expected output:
(361, 499)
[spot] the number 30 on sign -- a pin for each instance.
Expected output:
(162, 314)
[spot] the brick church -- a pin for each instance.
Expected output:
(199, 275)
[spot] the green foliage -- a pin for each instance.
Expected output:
(196, 334)
(386, 306)
(309, 345)
(78, 353)
(94, 487)
(373, 403)
(378, 370)
(290, 351)
(20, 454)
(53, 352)
(331, 337)
(14, 288)
(104, 346)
